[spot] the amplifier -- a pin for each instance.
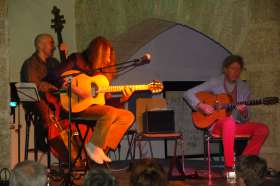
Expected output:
(158, 121)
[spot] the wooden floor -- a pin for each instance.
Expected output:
(120, 170)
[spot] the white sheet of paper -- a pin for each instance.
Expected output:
(27, 92)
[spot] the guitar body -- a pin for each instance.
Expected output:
(96, 87)
(201, 120)
(87, 84)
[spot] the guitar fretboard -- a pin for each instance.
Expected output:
(249, 102)
(119, 88)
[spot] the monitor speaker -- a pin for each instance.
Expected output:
(158, 121)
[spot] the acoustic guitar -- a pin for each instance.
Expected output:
(222, 103)
(97, 86)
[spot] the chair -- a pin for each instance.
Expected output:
(216, 138)
(146, 104)
(84, 128)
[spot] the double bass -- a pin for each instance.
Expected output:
(58, 130)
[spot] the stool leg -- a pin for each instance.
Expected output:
(220, 150)
(130, 141)
(26, 139)
(49, 158)
(35, 142)
(209, 159)
(205, 144)
(165, 148)
(134, 148)
(183, 153)
(151, 149)
(140, 149)
(173, 162)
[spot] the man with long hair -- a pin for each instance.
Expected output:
(112, 122)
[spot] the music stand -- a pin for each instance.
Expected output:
(25, 92)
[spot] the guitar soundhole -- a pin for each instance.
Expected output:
(94, 89)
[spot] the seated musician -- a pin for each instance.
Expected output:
(112, 123)
(35, 69)
(238, 122)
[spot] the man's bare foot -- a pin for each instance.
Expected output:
(105, 157)
(96, 154)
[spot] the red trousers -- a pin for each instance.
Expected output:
(228, 129)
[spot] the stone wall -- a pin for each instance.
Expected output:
(4, 88)
(26, 19)
(247, 27)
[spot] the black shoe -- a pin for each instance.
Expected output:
(42, 146)
(272, 173)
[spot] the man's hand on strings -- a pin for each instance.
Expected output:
(63, 47)
(75, 89)
(205, 108)
(241, 108)
(127, 92)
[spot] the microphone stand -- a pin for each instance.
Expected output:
(68, 180)
(133, 62)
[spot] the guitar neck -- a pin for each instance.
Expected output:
(119, 88)
(61, 53)
(249, 102)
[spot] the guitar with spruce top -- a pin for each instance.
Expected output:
(97, 86)
(222, 103)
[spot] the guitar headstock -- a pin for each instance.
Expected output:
(155, 86)
(58, 21)
(270, 100)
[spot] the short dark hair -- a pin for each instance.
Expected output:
(148, 173)
(253, 170)
(233, 59)
(28, 173)
(99, 177)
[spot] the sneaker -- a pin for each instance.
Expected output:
(230, 174)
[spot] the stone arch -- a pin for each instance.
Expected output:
(137, 36)
(169, 42)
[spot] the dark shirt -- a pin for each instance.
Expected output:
(35, 70)
(75, 61)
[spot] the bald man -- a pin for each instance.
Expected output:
(35, 69)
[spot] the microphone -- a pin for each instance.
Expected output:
(145, 59)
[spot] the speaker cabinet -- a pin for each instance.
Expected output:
(158, 121)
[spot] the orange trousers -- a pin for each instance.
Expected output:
(111, 125)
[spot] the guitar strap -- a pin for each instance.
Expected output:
(232, 93)
(240, 117)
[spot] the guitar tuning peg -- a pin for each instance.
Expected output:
(55, 10)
